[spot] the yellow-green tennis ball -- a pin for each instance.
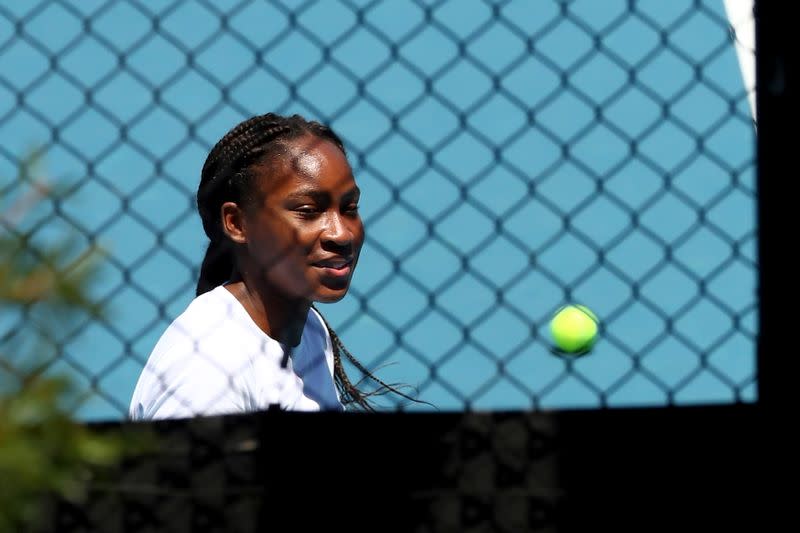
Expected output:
(574, 329)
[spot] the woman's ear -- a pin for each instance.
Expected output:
(233, 222)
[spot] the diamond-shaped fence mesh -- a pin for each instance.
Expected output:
(512, 156)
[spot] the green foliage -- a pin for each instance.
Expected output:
(43, 451)
(49, 275)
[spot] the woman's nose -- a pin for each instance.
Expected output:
(337, 230)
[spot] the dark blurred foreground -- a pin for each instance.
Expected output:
(644, 470)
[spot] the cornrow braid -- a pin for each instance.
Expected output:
(349, 392)
(233, 147)
(227, 159)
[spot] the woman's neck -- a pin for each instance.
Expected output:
(277, 315)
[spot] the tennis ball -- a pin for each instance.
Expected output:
(574, 329)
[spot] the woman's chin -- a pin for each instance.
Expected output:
(328, 295)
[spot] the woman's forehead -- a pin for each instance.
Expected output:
(307, 163)
(310, 161)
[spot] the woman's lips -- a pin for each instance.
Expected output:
(336, 269)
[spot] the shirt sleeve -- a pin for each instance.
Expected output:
(184, 383)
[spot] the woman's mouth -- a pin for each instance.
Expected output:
(334, 267)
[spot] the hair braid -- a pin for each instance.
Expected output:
(349, 392)
(223, 178)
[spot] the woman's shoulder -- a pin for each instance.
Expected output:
(204, 317)
(211, 306)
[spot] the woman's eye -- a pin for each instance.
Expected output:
(306, 210)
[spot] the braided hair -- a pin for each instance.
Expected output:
(228, 176)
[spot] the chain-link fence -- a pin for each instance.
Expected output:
(512, 157)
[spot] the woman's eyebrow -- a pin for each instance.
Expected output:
(315, 193)
(307, 192)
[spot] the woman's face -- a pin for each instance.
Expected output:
(305, 232)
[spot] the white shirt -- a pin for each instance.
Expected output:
(213, 359)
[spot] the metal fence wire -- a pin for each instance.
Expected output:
(513, 157)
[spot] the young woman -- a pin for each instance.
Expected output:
(279, 204)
